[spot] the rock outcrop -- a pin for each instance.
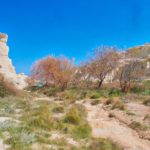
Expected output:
(6, 67)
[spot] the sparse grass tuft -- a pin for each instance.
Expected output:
(118, 105)
(102, 144)
(138, 126)
(109, 101)
(95, 102)
(58, 109)
(74, 116)
(147, 102)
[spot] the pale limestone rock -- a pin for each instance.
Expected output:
(6, 67)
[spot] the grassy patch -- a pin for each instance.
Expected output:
(95, 95)
(40, 117)
(82, 131)
(102, 144)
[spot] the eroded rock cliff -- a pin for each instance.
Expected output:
(6, 67)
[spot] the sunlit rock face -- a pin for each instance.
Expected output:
(6, 67)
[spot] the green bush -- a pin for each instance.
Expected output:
(146, 92)
(51, 91)
(137, 89)
(115, 92)
(147, 84)
(4, 91)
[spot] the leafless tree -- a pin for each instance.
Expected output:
(53, 71)
(132, 69)
(105, 60)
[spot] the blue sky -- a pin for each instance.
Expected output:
(71, 27)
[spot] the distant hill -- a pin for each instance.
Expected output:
(142, 51)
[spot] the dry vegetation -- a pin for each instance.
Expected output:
(55, 110)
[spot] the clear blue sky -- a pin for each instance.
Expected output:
(37, 28)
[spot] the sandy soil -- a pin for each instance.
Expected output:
(112, 128)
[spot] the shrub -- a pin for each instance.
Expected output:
(147, 102)
(50, 91)
(95, 96)
(70, 95)
(58, 109)
(7, 88)
(118, 105)
(83, 94)
(146, 92)
(109, 101)
(72, 117)
(137, 89)
(82, 131)
(75, 115)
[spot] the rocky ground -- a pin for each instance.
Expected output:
(116, 125)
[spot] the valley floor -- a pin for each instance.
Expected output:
(27, 124)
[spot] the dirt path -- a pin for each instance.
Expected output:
(111, 128)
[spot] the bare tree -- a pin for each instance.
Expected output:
(104, 61)
(130, 70)
(53, 71)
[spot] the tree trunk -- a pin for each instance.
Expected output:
(64, 86)
(125, 87)
(100, 84)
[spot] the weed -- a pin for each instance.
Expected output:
(95, 102)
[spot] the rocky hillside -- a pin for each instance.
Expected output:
(142, 51)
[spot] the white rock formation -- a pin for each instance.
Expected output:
(6, 67)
